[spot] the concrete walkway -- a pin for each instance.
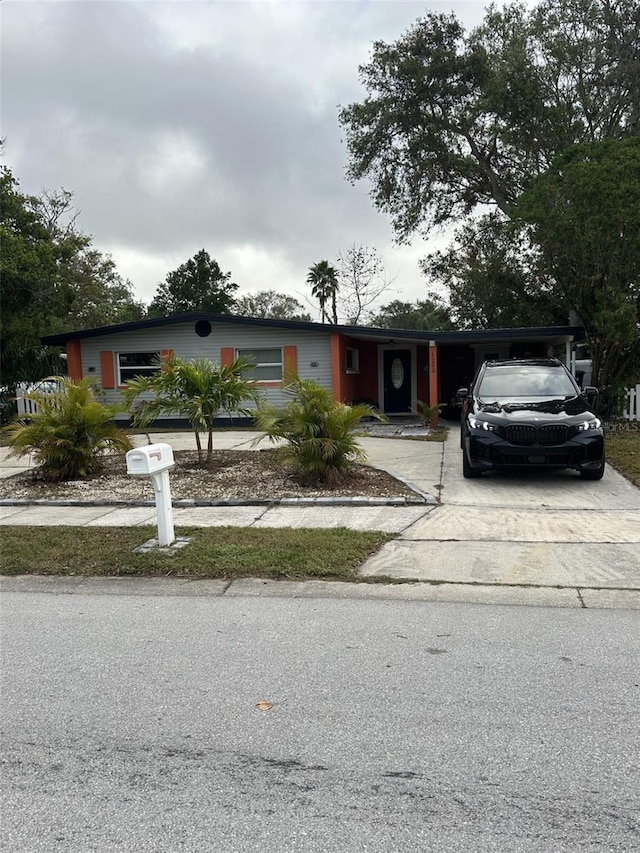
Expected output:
(500, 537)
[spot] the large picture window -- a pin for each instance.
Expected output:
(267, 364)
(132, 364)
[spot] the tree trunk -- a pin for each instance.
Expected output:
(198, 445)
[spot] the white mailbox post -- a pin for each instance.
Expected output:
(155, 461)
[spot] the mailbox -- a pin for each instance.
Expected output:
(154, 461)
(150, 459)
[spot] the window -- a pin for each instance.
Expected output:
(267, 364)
(132, 364)
(352, 360)
(506, 382)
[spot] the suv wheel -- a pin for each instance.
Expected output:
(593, 473)
(468, 472)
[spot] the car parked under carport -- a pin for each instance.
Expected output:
(527, 413)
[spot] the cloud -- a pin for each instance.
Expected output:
(183, 125)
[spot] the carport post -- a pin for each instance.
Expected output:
(433, 381)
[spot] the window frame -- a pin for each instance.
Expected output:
(144, 370)
(354, 367)
(247, 351)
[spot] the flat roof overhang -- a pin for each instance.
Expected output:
(549, 334)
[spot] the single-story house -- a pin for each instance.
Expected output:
(390, 368)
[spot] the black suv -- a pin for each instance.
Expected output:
(529, 413)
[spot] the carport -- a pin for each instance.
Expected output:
(433, 365)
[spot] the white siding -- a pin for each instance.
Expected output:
(312, 348)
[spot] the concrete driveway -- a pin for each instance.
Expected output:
(542, 528)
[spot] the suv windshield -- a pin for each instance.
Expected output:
(526, 383)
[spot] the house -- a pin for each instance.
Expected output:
(390, 368)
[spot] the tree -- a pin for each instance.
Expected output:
(53, 281)
(362, 281)
(584, 216)
(324, 287)
(453, 121)
(197, 285)
(69, 432)
(197, 390)
(424, 315)
(271, 305)
(28, 266)
(490, 280)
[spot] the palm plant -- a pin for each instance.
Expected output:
(324, 287)
(319, 432)
(69, 432)
(426, 413)
(197, 390)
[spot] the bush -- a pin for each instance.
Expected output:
(319, 431)
(197, 390)
(69, 432)
(427, 413)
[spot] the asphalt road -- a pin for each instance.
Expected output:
(130, 723)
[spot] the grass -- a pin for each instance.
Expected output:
(220, 552)
(622, 444)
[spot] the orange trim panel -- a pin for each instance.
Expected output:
(74, 360)
(290, 359)
(433, 380)
(227, 356)
(165, 356)
(107, 369)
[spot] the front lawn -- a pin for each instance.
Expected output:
(622, 447)
(219, 552)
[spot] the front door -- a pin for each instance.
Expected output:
(397, 381)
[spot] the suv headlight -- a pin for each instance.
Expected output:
(476, 423)
(594, 423)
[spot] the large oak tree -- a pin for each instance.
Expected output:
(584, 218)
(459, 127)
(453, 121)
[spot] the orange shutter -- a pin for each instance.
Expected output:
(290, 357)
(107, 369)
(227, 356)
(74, 360)
(165, 356)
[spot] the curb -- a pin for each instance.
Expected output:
(577, 598)
(423, 499)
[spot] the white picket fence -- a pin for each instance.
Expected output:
(632, 412)
(29, 407)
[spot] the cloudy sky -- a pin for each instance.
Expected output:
(180, 125)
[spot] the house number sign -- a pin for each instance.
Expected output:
(397, 373)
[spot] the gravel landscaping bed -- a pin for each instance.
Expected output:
(241, 474)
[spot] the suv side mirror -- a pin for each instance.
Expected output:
(462, 393)
(591, 393)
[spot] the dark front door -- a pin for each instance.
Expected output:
(397, 381)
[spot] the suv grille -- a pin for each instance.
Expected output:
(520, 434)
(525, 434)
(553, 434)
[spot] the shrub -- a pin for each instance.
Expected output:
(319, 431)
(69, 432)
(427, 413)
(196, 390)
